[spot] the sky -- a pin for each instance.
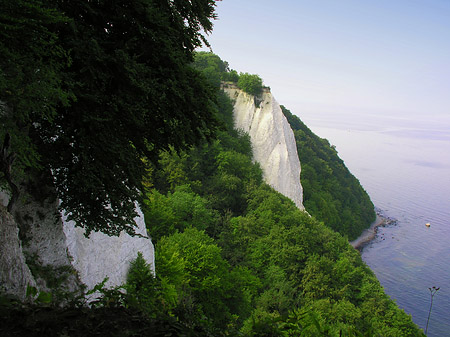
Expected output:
(343, 57)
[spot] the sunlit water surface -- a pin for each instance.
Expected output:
(404, 165)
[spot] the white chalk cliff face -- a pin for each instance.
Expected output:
(101, 256)
(15, 275)
(51, 243)
(272, 138)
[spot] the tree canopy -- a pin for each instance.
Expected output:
(90, 88)
(330, 192)
(250, 83)
(233, 256)
(31, 63)
(285, 273)
(214, 69)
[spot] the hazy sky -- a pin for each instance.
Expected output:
(346, 56)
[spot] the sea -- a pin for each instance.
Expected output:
(403, 162)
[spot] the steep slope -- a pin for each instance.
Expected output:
(328, 190)
(272, 139)
(237, 258)
(285, 273)
(331, 193)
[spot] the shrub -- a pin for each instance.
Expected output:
(251, 84)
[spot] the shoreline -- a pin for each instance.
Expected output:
(368, 234)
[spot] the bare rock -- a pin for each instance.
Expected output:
(15, 275)
(101, 256)
(272, 138)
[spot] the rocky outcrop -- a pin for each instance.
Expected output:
(101, 256)
(272, 138)
(15, 275)
(41, 249)
(44, 241)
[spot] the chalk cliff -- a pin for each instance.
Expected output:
(101, 256)
(15, 275)
(38, 239)
(272, 138)
(41, 236)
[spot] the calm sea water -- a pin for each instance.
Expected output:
(404, 165)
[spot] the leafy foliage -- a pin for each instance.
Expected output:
(30, 84)
(105, 320)
(331, 193)
(293, 274)
(30, 73)
(107, 84)
(250, 83)
(214, 69)
(177, 211)
(203, 282)
(222, 171)
(233, 256)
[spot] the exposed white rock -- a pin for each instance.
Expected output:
(101, 256)
(272, 138)
(58, 246)
(44, 241)
(4, 198)
(15, 275)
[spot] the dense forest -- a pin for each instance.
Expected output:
(331, 193)
(125, 114)
(253, 263)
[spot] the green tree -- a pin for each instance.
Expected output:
(165, 215)
(31, 62)
(204, 281)
(148, 292)
(330, 192)
(172, 170)
(133, 93)
(231, 76)
(251, 84)
(211, 66)
(214, 68)
(236, 176)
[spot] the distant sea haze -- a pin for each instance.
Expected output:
(404, 165)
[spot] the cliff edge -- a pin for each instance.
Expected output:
(272, 138)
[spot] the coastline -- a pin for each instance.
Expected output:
(369, 234)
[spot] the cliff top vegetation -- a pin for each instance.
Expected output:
(233, 256)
